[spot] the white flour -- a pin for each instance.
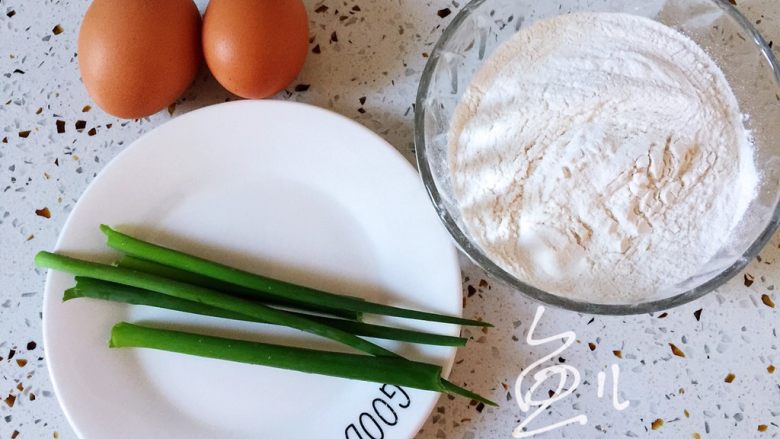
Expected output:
(601, 157)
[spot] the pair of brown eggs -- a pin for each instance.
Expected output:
(136, 57)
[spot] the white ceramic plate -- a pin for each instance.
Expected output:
(283, 189)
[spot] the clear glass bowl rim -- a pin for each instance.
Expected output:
(496, 272)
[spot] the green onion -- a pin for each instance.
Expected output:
(386, 370)
(264, 286)
(97, 289)
(206, 296)
(195, 279)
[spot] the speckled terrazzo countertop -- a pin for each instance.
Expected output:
(706, 369)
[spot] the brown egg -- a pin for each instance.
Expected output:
(136, 57)
(255, 48)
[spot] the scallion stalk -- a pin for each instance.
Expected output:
(264, 286)
(205, 296)
(385, 370)
(98, 289)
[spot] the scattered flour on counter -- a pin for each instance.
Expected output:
(601, 156)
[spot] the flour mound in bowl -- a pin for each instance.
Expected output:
(602, 157)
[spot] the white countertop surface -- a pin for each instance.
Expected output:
(366, 61)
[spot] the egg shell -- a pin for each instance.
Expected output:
(255, 48)
(136, 57)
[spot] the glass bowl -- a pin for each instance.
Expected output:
(740, 51)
